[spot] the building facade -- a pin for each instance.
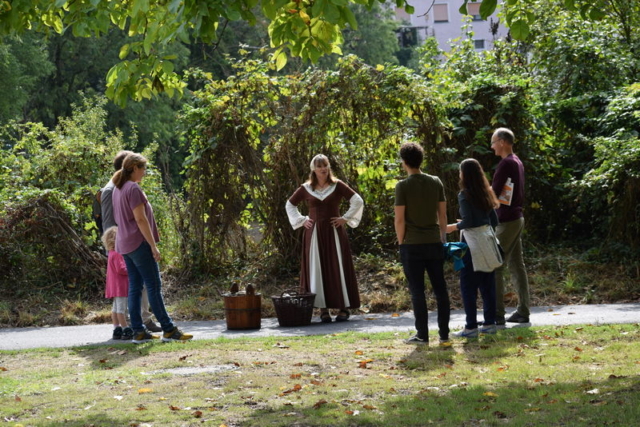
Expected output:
(441, 19)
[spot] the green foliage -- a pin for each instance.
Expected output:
(256, 133)
(23, 62)
(306, 29)
(48, 178)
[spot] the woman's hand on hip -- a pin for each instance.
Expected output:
(308, 224)
(338, 221)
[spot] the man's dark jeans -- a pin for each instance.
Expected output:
(415, 260)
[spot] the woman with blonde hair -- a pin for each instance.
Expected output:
(136, 241)
(327, 264)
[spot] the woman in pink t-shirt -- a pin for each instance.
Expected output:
(136, 241)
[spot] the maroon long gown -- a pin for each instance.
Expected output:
(331, 277)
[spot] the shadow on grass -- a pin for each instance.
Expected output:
(523, 403)
(482, 350)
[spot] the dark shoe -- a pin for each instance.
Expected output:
(152, 327)
(416, 340)
(127, 334)
(518, 318)
(176, 335)
(117, 333)
(143, 336)
(325, 317)
(343, 316)
(500, 321)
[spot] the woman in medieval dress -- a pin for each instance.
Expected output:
(327, 265)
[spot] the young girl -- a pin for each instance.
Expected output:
(117, 286)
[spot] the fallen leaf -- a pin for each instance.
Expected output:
(594, 391)
(359, 352)
(319, 403)
(316, 382)
(174, 408)
(490, 394)
(298, 364)
(278, 345)
(575, 358)
(103, 360)
(141, 408)
(499, 414)
(18, 399)
(532, 410)
(197, 414)
(295, 376)
(579, 329)
(549, 310)
(3, 369)
(538, 380)
(395, 315)
(598, 402)
(577, 349)
(184, 357)
(144, 390)
(369, 407)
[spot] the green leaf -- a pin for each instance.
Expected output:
(487, 8)
(596, 14)
(570, 5)
(167, 67)
(281, 61)
(409, 9)
(317, 8)
(463, 8)
(520, 29)
(124, 51)
(350, 18)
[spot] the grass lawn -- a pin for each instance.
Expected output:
(549, 376)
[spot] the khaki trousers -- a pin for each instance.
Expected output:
(509, 234)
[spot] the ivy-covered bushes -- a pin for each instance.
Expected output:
(49, 241)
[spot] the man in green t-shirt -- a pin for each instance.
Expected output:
(421, 224)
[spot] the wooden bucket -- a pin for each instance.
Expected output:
(242, 311)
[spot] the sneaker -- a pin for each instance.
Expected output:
(151, 326)
(127, 333)
(143, 336)
(518, 318)
(416, 340)
(117, 333)
(467, 333)
(489, 330)
(176, 335)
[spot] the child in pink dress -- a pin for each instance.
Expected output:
(117, 286)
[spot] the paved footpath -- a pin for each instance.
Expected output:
(73, 336)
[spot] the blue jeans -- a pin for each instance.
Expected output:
(415, 260)
(143, 271)
(472, 281)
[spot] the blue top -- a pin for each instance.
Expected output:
(473, 216)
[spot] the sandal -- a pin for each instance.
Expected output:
(325, 317)
(343, 316)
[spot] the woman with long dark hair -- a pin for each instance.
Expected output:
(477, 208)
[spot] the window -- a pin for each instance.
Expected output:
(441, 12)
(479, 44)
(473, 9)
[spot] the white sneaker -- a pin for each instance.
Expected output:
(466, 333)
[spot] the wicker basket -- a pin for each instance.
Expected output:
(293, 308)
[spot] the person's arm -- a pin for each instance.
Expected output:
(493, 217)
(106, 207)
(500, 177)
(399, 223)
(144, 227)
(442, 221)
(353, 216)
(120, 265)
